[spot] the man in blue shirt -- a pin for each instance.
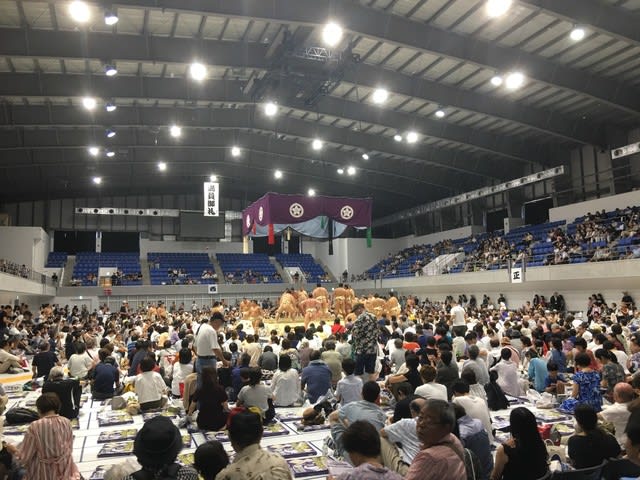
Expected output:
(316, 377)
(537, 370)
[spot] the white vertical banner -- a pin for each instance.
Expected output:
(211, 195)
(517, 275)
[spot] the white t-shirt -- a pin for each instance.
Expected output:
(432, 390)
(206, 341)
(618, 415)
(476, 408)
(457, 312)
(404, 431)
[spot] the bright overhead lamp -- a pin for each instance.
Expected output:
(351, 170)
(235, 151)
(79, 12)
(89, 103)
(440, 113)
(365, 156)
(197, 71)
(380, 95)
(311, 192)
(317, 144)
(277, 174)
(496, 80)
(110, 70)
(110, 17)
(514, 80)
(397, 137)
(110, 153)
(340, 171)
(175, 131)
(412, 137)
(97, 180)
(213, 178)
(577, 34)
(270, 109)
(110, 132)
(162, 166)
(497, 8)
(332, 34)
(110, 107)
(93, 151)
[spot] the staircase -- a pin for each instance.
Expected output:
(144, 268)
(441, 263)
(217, 268)
(332, 277)
(65, 281)
(286, 278)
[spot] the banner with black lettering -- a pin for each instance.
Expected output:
(211, 195)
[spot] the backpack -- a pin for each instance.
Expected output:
(169, 473)
(20, 416)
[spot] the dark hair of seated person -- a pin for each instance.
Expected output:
(363, 438)
(209, 459)
(48, 402)
(245, 428)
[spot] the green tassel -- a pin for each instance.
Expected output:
(323, 222)
(369, 239)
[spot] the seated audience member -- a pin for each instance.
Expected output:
(333, 360)
(400, 443)
(618, 413)
(245, 433)
(508, 377)
(180, 370)
(405, 397)
(447, 370)
(475, 389)
(80, 362)
(349, 389)
(285, 384)
(411, 376)
(474, 406)
(156, 448)
(586, 386)
(268, 360)
(365, 409)
(106, 377)
(632, 447)
(442, 455)
(430, 388)
(149, 385)
(211, 401)
(121, 470)
(554, 382)
(590, 445)
(537, 370)
(473, 436)
(477, 364)
(44, 361)
(256, 394)
(209, 459)
(67, 389)
(9, 363)
(362, 444)
(46, 450)
(612, 371)
(524, 455)
(316, 377)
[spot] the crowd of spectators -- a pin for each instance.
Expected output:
(248, 276)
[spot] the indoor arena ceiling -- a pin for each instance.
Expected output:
(450, 70)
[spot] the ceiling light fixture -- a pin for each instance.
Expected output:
(175, 131)
(577, 34)
(79, 12)
(311, 192)
(110, 153)
(351, 170)
(365, 156)
(110, 70)
(93, 151)
(97, 180)
(213, 178)
(317, 144)
(270, 109)
(497, 8)
(332, 34)
(496, 80)
(277, 174)
(440, 113)
(340, 171)
(235, 151)
(412, 137)
(110, 133)
(380, 95)
(110, 17)
(514, 80)
(110, 107)
(197, 71)
(89, 103)
(162, 166)
(397, 137)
